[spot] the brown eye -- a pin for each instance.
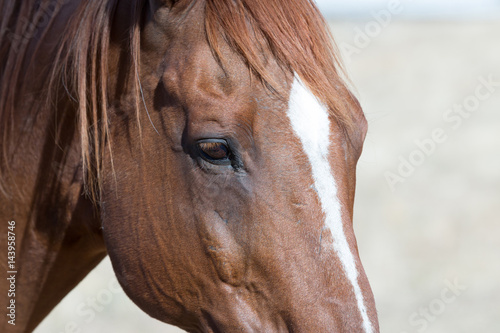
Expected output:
(214, 151)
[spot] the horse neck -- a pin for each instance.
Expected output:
(57, 230)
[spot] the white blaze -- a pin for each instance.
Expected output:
(309, 119)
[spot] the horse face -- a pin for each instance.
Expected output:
(230, 206)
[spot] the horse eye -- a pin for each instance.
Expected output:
(214, 151)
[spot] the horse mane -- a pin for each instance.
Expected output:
(298, 37)
(79, 70)
(293, 31)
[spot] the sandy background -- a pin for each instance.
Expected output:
(440, 226)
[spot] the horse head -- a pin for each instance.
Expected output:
(229, 203)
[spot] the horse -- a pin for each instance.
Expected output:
(208, 147)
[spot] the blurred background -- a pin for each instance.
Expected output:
(427, 213)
